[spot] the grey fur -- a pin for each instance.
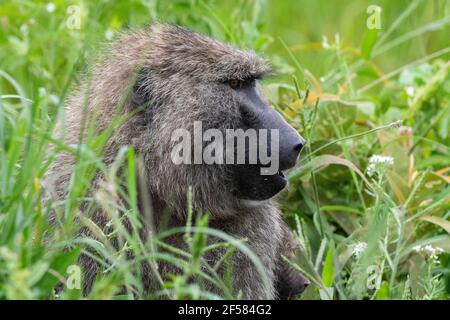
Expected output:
(176, 69)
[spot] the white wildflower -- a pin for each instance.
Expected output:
(42, 92)
(50, 7)
(429, 252)
(410, 91)
(325, 43)
(396, 124)
(359, 248)
(54, 99)
(109, 34)
(379, 164)
(337, 39)
(24, 29)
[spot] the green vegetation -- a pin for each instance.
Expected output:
(370, 200)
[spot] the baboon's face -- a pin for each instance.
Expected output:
(191, 78)
(254, 181)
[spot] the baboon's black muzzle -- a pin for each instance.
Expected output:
(264, 180)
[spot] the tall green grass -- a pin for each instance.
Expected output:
(364, 234)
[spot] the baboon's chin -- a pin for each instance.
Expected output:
(251, 185)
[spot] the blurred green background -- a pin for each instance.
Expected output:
(344, 86)
(38, 47)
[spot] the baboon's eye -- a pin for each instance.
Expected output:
(235, 83)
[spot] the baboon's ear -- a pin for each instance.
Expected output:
(141, 92)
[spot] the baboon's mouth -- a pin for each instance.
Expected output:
(252, 184)
(280, 173)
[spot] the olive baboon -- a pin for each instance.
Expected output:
(178, 77)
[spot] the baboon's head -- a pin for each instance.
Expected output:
(186, 79)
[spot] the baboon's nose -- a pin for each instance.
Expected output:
(299, 146)
(291, 157)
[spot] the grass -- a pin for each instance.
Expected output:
(365, 233)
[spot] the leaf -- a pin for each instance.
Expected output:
(199, 239)
(324, 161)
(328, 268)
(326, 294)
(37, 272)
(341, 209)
(440, 174)
(445, 224)
(383, 293)
(58, 265)
(368, 41)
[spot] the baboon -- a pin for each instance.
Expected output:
(167, 77)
